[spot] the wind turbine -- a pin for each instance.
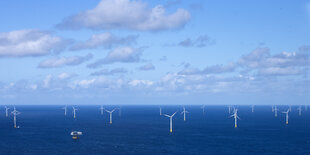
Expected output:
(170, 119)
(275, 110)
(184, 113)
(101, 109)
(74, 109)
(15, 113)
(160, 111)
(252, 108)
(119, 111)
(110, 114)
(290, 107)
(288, 110)
(235, 115)
(203, 109)
(229, 109)
(6, 111)
(299, 110)
(65, 109)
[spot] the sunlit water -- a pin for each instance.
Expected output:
(141, 130)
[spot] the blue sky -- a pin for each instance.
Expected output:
(154, 52)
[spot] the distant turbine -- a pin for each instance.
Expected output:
(203, 109)
(160, 113)
(6, 111)
(229, 109)
(74, 109)
(170, 119)
(119, 111)
(184, 113)
(235, 115)
(101, 109)
(288, 110)
(15, 112)
(290, 107)
(110, 114)
(275, 110)
(252, 108)
(65, 108)
(299, 110)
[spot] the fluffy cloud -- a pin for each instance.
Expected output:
(106, 40)
(122, 54)
(200, 41)
(64, 61)
(147, 67)
(109, 72)
(216, 69)
(126, 14)
(22, 43)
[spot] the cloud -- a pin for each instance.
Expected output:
(121, 54)
(147, 67)
(200, 41)
(106, 40)
(30, 42)
(277, 71)
(109, 72)
(126, 14)
(64, 61)
(216, 69)
(65, 76)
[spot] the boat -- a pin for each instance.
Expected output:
(76, 134)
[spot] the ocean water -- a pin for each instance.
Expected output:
(141, 130)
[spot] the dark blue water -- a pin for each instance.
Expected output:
(140, 130)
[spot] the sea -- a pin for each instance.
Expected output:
(140, 129)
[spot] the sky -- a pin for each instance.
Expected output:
(167, 52)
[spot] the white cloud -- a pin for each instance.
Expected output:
(64, 61)
(64, 76)
(147, 67)
(22, 43)
(126, 14)
(106, 40)
(122, 54)
(110, 72)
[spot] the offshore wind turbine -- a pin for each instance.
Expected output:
(290, 107)
(229, 109)
(203, 109)
(110, 114)
(119, 111)
(74, 109)
(6, 111)
(184, 113)
(286, 118)
(101, 109)
(299, 110)
(160, 111)
(235, 115)
(65, 108)
(275, 110)
(15, 113)
(170, 119)
(252, 108)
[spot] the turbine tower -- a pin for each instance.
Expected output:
(252, 108)
(275, 110)
(160, 112)
(299, 110)
(119, 111)
(65, 108)
(15, 113)
(184, 113)
(229, 109)
(6, 111)
(74, 109)
(235, 115)
(290, 107)
(170, 119)
(286, 118)
(203, 109)
(110, 114)
(101, 109)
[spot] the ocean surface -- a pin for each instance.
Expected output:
(141, 130)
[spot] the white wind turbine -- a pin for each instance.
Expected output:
(235, 115)
(119, 111)
(229, 109)
(160, 111)
(170, 119)
(286, 118)
(184, 113)
(101, 109)
(110, 114)
(74, 112)
(6, 111)
(203, 109)
(290, 107)
(299, 110)
(275, 110)
(252, 108)
(15, 113)
(65, 108)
